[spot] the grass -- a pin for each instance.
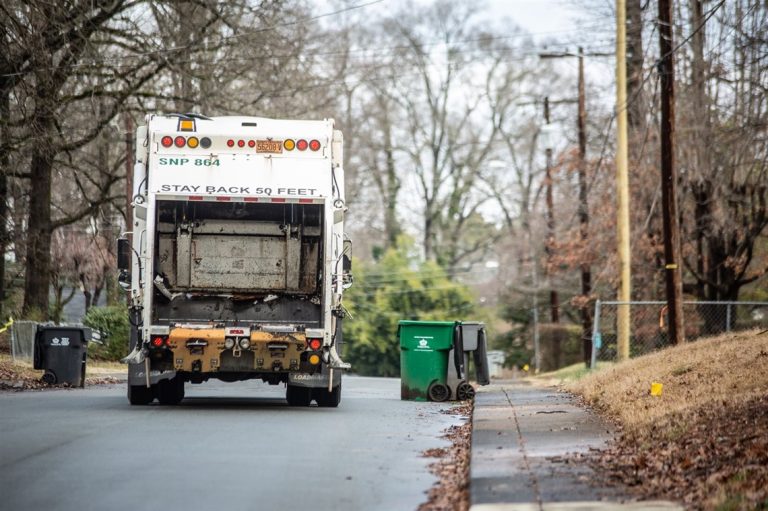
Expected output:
(728, 369)
(569, 373)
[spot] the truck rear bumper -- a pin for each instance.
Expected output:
(208, 351)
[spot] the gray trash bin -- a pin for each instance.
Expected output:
(61, 352)
(475, 342)
(480, 359)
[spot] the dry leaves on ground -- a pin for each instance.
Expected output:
(451, 492)
(17, 378)
(715, 460)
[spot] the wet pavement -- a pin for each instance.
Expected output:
(521, 434)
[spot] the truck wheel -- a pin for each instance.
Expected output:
(140, 394)
(298, 396)
(328, 399)
(171, 391)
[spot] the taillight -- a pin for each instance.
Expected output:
(230, 143)
(166, 141)
(205, 142)
(180, 141)
(301, 145)
(158, 342)
(315, 344)
(314, 145)
(251, 143)
(241, 143)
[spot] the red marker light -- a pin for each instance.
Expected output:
(314, 145)
(166, 141)
(241, 143)
(315, 344)
(301, 145)
(157, 342)
(230, 143)
(180, 141)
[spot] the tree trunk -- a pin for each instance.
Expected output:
(392, 186)
(37, 275)
(4, 160)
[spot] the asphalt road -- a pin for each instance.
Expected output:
(227, 447)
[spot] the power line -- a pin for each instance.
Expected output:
(235, 36)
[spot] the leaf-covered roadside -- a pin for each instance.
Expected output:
(702, 442)
(18, 377)
(451, 492)
(718, 461)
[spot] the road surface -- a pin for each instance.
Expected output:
(227, 447)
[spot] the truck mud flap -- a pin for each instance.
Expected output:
(319, 380)
(136, 375)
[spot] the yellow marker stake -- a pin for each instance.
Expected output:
(656, 388)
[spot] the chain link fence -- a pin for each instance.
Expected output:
(649, 324)
(23, 340)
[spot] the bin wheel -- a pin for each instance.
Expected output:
(465, 391)
(298, 396)
(49, 378)
(171, 391)
(140, 394)
(328, 399)
(438, 392)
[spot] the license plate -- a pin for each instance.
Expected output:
(269, 146)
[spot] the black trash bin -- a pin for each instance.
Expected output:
(61, 352)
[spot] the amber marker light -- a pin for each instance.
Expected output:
(289, 144)
(193, 142)
(186, 125)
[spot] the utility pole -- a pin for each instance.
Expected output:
(669, 177)
(622, 182)
(554, 299)
(583, 211)
(586, 272)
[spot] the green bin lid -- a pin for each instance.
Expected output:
(431, 335)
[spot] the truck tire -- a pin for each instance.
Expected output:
(140, 394)
(328, 399)
(298, 396)
(171, 391)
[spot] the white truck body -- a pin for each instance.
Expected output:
(238, 255)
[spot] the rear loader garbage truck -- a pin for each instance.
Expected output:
(236, 259)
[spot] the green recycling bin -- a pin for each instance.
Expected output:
(424, 348)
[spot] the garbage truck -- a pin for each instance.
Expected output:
(236, 260)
